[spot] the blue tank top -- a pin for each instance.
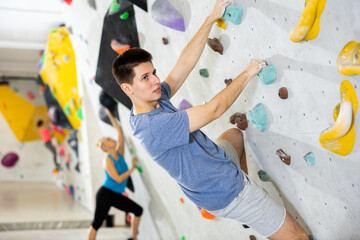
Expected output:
(121, 167)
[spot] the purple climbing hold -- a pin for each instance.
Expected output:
(184, 104)
(166, 14)
(9, 160)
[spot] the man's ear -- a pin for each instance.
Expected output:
(126, 87)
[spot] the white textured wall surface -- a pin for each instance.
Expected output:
(324, 197)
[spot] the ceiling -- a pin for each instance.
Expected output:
(24, 26)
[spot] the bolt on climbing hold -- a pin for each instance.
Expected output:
(340, 138)
(308, 26)
(283, 156)
(215, 45)
(204, 72)
(165, 41)
(233, 13)
(258, 117)
(348, 61)
(184, 104)
(267, 75)
(263, 176)
(114, 7)
(228, 81)
(283, 93)
(220, 23)
(124, 16)
(310, 158)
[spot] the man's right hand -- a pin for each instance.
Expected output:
(218, 10)
(254, 67)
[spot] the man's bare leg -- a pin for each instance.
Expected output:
(235, 137)
(290, 230)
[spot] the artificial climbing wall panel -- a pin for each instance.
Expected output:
(323, 197)
(34, 160)
(312, 194)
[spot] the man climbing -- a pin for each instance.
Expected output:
(208, 172)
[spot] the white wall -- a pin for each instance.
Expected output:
(324, 198)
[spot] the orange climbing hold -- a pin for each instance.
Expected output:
(206, 214)
(118, 47)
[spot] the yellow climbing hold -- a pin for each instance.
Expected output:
(348, 61)
(221, 23)
(309, 25)
(340, 138)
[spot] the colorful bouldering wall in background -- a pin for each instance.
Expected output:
(59, 73)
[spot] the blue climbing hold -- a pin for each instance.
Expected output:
(258, 117)
(310, 158)
(233, 13)
(267, 75)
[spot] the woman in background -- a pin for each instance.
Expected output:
(116, 175)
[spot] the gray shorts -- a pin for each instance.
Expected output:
(252, 206)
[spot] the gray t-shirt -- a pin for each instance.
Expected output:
(205, 173)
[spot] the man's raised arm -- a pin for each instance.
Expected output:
(200, 116)
(192, 52)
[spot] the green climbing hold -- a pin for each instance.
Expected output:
(117, 101)
(267, 75)
(233, 13)
(139, 168)
(310, 158)
(183, 238)
(204, 72)
(79, 114)
(263, 176)
(54, 31)
(67, 110)
(114, 7)
(124, 16)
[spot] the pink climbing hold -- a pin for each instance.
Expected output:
(30, 95)
(68, 2)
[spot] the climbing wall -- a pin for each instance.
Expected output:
(312, 194)
(323, 197)
(19, 135)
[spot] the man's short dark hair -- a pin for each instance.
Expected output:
(123, 65)
(40, 123)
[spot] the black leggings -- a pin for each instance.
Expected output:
(105, 198)
(52, 149)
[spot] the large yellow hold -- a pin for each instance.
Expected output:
(21, 115)
(308, 27)
(340, 138)
(59, 72)
(348, 61)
